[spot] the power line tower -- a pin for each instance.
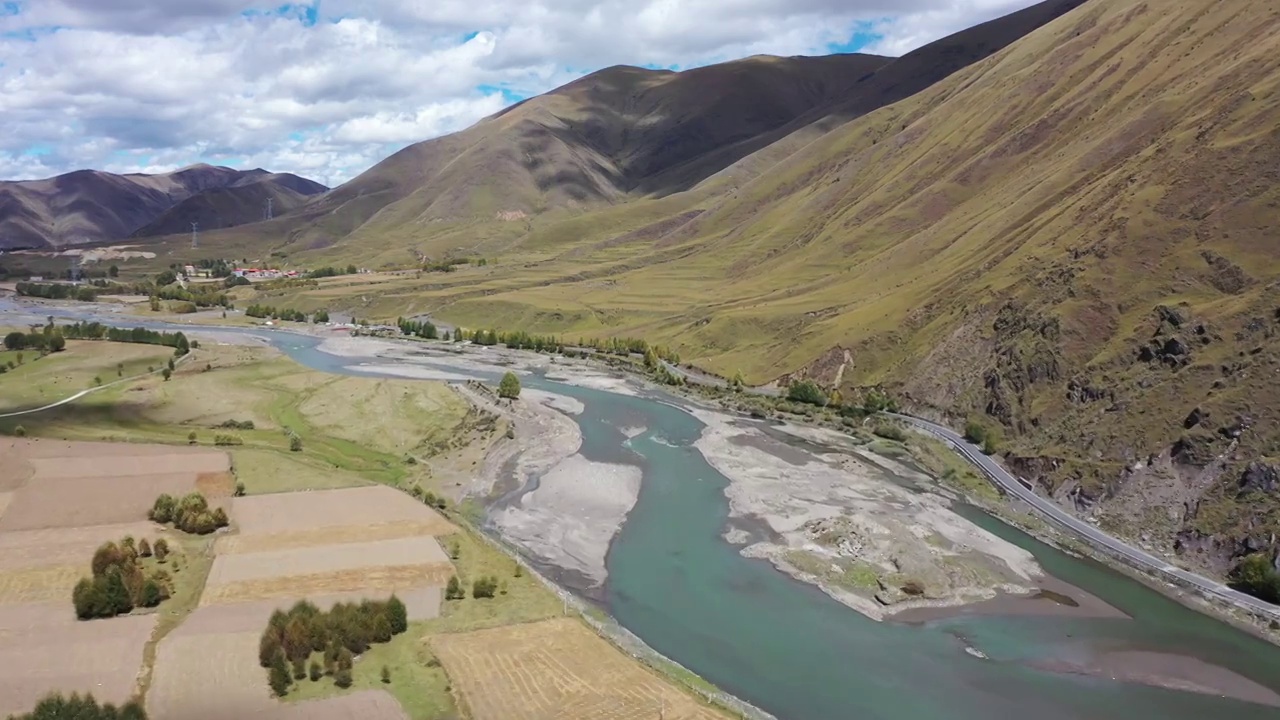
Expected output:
(195, 235)
(269, 201)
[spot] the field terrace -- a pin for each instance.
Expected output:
(58, 502)
(324, 546)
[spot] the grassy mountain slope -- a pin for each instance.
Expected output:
(89, 206)
(1072, 239)
(242, 202)
(616, 134)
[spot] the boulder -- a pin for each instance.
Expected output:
(1195, 418)
(1260, 477)
(1175, 316)
(1174, 347)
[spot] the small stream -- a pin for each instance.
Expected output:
(791, 650)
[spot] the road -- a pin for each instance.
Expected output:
(1093, 535)
(1048, 508)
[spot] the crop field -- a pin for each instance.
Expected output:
(234, 544)
(373, 581)
(43, 648)
(353, 507)
(63, 484)
(556, 668)
(206, 672)
(325, 559)
(63, 546)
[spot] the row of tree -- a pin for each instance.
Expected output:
(49, 340)
(57, 291)
(269, 311)
(419, 328)
(118, 582)
(76, 707)
(348, 629)
(190, 514)
(330, 271)
(97, 331)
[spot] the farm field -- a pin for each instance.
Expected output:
(63, 500)
(556, 668)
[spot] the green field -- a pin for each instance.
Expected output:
(40, 380)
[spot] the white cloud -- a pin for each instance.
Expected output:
(326, 89)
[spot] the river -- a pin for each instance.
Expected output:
(791, 650)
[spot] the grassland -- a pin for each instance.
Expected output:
(38, 381)
(353, 430)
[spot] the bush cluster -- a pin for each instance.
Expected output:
(76, 707)
(268, 311)
(57, 291)
(235, 425)
(118, 583)
(223, 440)
(347, 630)
(191, 514)
(806, 391)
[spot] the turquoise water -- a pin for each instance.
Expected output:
(791, 650)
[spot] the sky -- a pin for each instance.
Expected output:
(327, 88)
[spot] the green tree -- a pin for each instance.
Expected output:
(113, 271)
(279, 678)
(20, 431)
(806, 391)
(316, 671)
(15, 341)
(239, 489)
(57, 343)
(117, 594)
(386, 675)
(144, 548)
(167, 374)
(161, 549)
(268, 647)
(299, 668)
(295, 443)
(397, 615)
(509, 388)
(342, 678)
(1256, 575)
(738, 382)
(151, 595)
(975, 432)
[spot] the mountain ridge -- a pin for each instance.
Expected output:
(92, 206)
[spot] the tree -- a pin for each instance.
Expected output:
(239, 489)
(151, 595)
(167, 374)
(397, 615)
(117, 595)
(975, 432)
(107, 556)
(279, 678)
(484, 587)
(806, 391)
(15, 341)
(161, 549)
(295, 443)
(509, 388)
(144, 548)
(168, 277)
(113, 271)
(342, 678)
(386, 675)
(738, 382)
(1257, 576)
(20, 431)
(268, 647)
(454, 591)
(57, 343)
(316, 671)
(299, 668)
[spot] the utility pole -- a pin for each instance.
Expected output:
(269, 201)
(195, 235)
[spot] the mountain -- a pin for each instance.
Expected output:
(89, 206)
(243, 201)
(1069, 240)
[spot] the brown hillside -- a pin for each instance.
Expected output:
(89, 206)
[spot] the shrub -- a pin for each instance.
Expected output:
(806, 391)
(454, 591)
(279, 678)
(239, 489)
(974, 432)
(19, 431)
(144, 548)
(509, 387)
(151, 595)
(386, 675)
(299, 668)
(484, 587)
(191, 438)
(316, 671)
(58, 707)
(342, 678)
(295, 443)
(226, 440)
(162, 511)
(890, 432)
(397, 615)
(1256, 575)
(167, 373)
(161, 549)
(455, 550)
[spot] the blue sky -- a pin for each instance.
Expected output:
(326, 88)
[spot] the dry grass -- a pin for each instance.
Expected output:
(65, 546)
(40, 584)
(353, 507)
(556, 668)
(271, 471)
(324, 559)
(374, 581)
(208, 677)
(234, 544)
